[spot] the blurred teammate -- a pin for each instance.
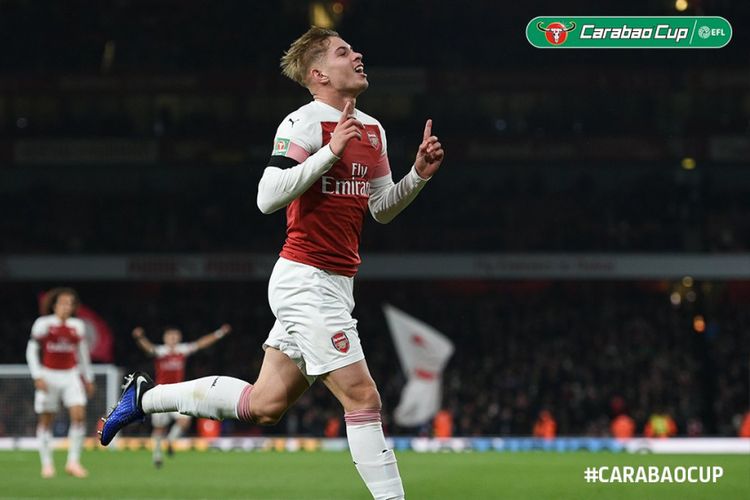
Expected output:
(169, 364)
(57, 376)
(328, 166)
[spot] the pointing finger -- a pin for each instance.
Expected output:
(427, 130)
(347, 111)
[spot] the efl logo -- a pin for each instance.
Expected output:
(556, 33)
(705, 32)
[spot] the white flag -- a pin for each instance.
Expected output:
(423, 352)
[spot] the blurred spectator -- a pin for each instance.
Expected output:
(622, 427)
(694, 427)
(207, 428)
(442, 424)
(545, 427)
(745, 426)
(660, 425)
(333, 427)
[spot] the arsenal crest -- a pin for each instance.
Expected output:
(340, 342)
(373, 139)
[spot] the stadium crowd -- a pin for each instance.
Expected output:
(584, 351)
(515, 209)
(572, 154)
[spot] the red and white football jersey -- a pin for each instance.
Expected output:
(58, 340)
(170, 362)
(324, 224)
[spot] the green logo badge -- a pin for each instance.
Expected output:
(630, 32)
(280, 146)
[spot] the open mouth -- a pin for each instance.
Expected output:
(360, 69)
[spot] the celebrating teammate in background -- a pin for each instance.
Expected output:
(57, 376)
(170, 369)
(328, 166)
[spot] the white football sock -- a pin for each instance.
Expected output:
(175, 432)
(157, 447)
(213, 397)
(44, 438)
(76, 434)
(375, 463)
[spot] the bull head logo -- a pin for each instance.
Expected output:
(556, 33)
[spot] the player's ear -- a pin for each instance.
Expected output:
(318, 76)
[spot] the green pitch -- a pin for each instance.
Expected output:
(331, 475)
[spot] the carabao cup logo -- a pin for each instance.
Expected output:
(556, 33)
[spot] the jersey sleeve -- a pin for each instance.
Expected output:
(382, 169)
(297, 137)
(160, 350)
(187, 348)
(383, 140)
(388, 199)
(39, 329)
(79, 326)
(84, 360)
(32, 358)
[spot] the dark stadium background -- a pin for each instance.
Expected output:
(548, 152)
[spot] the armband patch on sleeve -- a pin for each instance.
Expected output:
(280, 146)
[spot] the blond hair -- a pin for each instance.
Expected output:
(310, 47)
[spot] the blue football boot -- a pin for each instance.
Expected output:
(128, 408)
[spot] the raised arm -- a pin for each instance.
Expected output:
(291, 173)
(213, 337)
(387, 199)
(144, 343)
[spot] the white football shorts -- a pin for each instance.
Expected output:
(314, 324)
(62, 385)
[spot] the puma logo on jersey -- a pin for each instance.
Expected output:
(294, 121)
